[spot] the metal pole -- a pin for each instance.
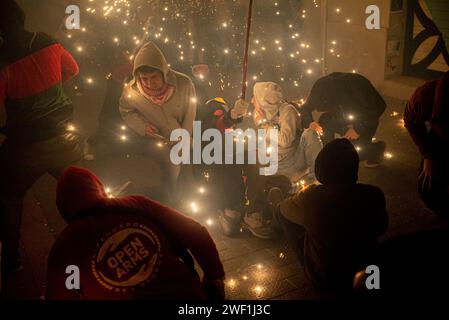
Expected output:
(245, 57)
(324, 16)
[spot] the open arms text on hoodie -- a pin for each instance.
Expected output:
(126, 248)
(177, 112)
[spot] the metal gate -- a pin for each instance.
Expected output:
(412, 43)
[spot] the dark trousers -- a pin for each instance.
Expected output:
(160, 153)
(258, 188)
(149, 148)
(368, 150)
(437, 198)
(226, 188)
(230, 185)
(20, 167)
(292, 233)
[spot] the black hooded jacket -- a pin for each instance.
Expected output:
(343, 219)
(345, 94)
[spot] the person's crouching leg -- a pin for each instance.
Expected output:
(292, 234)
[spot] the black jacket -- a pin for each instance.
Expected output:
(343, 95)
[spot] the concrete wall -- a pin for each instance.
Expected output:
(394, 64)
(358, 48)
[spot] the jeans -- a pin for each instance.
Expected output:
(20, 167)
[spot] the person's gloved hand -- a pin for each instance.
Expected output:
(240, 109)
(316, 126)
(214, 289)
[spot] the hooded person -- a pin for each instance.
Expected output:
(334, 227)
(426, 118)
(128, 248)
(297, 150)
(157, 101)
(166, 103)
(295, 158)
(39, 133)
(350, 106)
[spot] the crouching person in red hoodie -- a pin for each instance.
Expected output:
(127, 248)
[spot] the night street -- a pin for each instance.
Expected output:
(255, 268)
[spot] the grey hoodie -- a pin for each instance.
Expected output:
(178, 112)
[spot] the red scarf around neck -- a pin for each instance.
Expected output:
(159, 96)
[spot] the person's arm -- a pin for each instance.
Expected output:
(69, 66)
(2, 90)
(186, 232)
(288, 121)
(293, 208)
(190, 109)
(131, 115)
(416, 126)
(363, 99)
(375, 101)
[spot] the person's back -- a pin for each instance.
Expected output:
(343, 220)
(128, 248)
(33, 68)
(122, 255)
(343, 223)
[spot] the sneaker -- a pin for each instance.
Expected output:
(378, 149)
(88, 151)
(254, 223)
(371, 164)
(229, 221)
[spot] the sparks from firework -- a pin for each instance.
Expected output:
(124, 17)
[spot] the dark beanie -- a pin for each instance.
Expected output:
(337, 163)
(12, 17)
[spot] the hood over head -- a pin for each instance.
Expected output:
(269, 96)
(12, 17)
(337, 163)
(151, 56)
(78, 189)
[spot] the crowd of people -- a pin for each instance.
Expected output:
(137, 248)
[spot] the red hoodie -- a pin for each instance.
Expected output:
(125, 248)
(429, 103)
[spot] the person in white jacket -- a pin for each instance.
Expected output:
(157, 101)
(297, 150)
